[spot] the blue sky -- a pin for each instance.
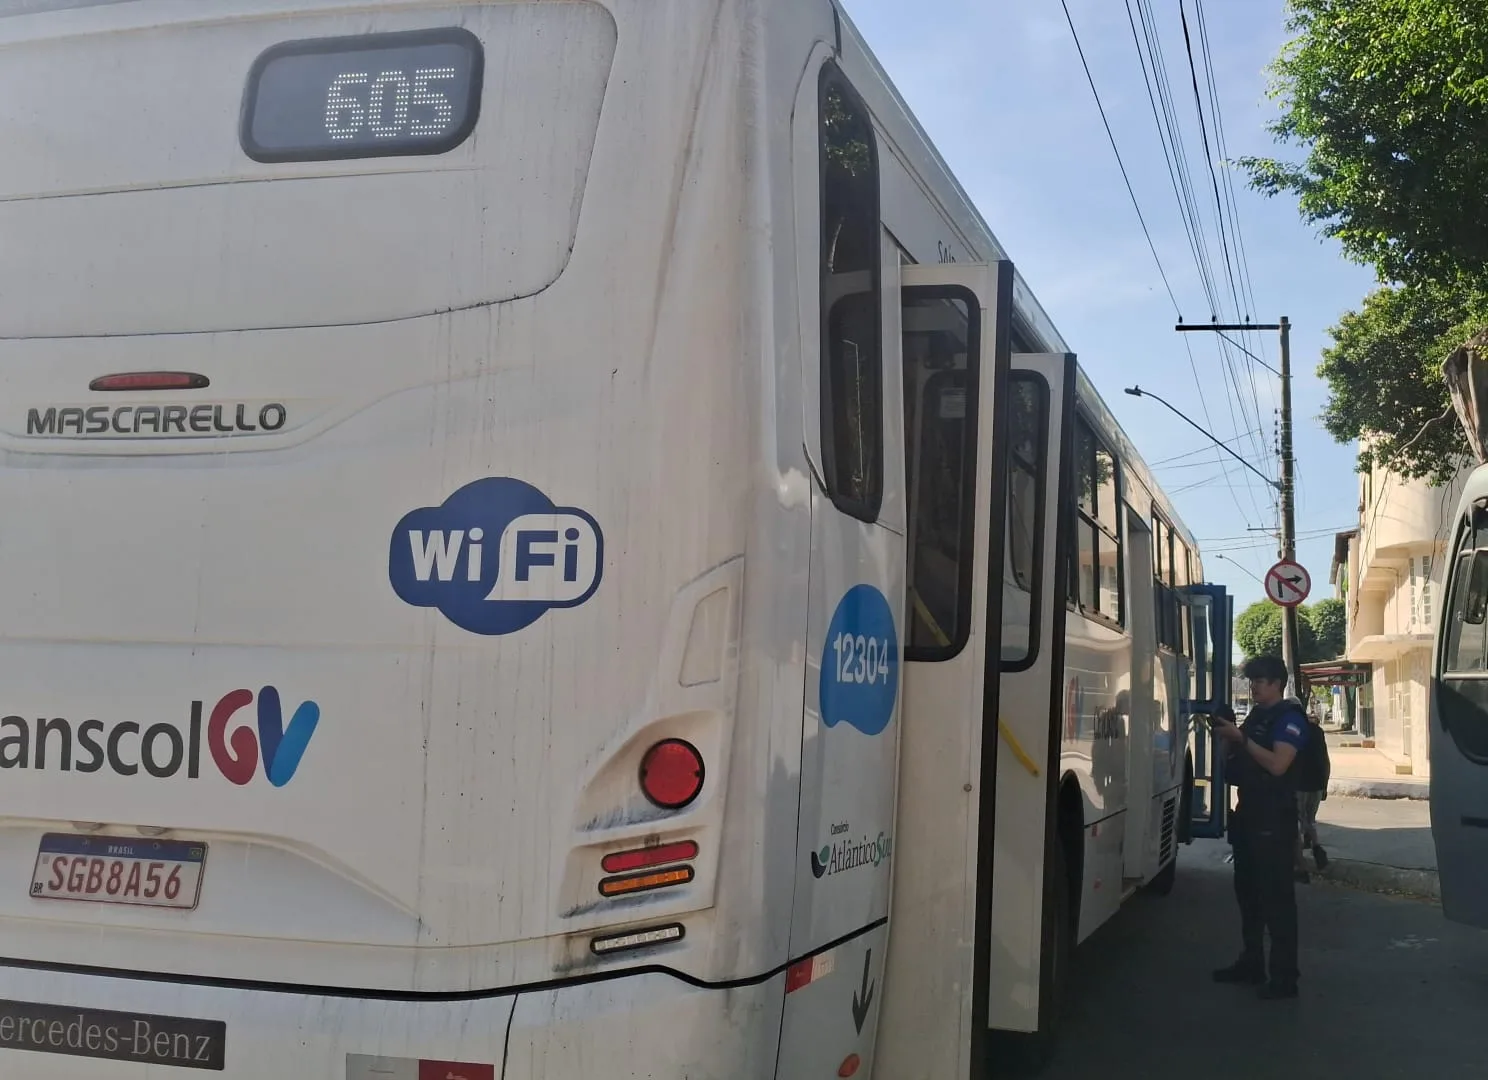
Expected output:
(999, 87)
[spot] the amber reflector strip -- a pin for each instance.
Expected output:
(660, 879)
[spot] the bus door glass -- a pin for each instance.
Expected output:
(1211, 617)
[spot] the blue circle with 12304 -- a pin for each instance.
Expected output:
(860, 663)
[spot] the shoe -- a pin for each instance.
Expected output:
(1276, 991)
(1240, 972)
(1303, 877)
(1319, 856)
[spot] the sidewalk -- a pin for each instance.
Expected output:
(1379, 844)
(1366, 773)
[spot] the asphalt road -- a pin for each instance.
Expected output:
(1389, 989)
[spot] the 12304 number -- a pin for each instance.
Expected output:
(862, 659)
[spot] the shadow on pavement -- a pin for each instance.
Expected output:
(1389, 989)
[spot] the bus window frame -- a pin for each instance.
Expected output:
(1452, 707)
(1467, 550)
(1075, 518)
(867, 508)
(965, 569)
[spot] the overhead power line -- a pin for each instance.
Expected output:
(1129, 190)
(1160, 98)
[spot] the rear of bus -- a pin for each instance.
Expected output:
(349, 411)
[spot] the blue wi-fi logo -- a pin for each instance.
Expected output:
(496, 556)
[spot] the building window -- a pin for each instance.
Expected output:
(1420, 593)
(851, 295)
(1422, 582)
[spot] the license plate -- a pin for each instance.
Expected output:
(119, 870)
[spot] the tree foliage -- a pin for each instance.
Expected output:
(1329, 621)
(1390, 100)
(1384, 371)
(1321, 630)
(1258, 631)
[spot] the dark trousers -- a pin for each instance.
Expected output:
(1266, 890)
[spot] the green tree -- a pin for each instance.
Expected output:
(1389, 99)
(1328, 619)
(1384, 373)
(1258, 632)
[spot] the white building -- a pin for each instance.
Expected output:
(1388, 572)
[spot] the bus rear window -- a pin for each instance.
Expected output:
(198, 195)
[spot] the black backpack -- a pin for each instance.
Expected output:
(1312, 760)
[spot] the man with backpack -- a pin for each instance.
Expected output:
(1313, 770)
(1262, 765)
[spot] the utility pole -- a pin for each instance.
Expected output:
(1291, 651)
(1291, 644)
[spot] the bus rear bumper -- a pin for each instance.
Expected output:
(70, 1026)
(649, 1026)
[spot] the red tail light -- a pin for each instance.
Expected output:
(672, 774)
(621, 862)
(150, 380)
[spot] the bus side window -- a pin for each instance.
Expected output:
(851, 295)
(1183, 568)
(1162, 571)
(1463, 705)
(941, 343)
(1171, 563)
(1097, 570)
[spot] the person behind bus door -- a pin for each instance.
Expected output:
(1312, 770)
(1261, 763)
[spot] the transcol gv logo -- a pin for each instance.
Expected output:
(165, 749)
(544, 556)
(281, 747)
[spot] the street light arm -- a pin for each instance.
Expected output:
(1234, 563)
(1137, 391)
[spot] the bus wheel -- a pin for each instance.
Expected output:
(1162, 884)
(1051, 1014)
(1185, 803)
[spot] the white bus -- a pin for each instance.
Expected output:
(547, 539)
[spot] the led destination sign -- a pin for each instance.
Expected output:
(375, 95)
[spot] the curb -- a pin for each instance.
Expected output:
(1380, 789)
(1376, 877)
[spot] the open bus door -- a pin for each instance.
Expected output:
(1212, 609)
